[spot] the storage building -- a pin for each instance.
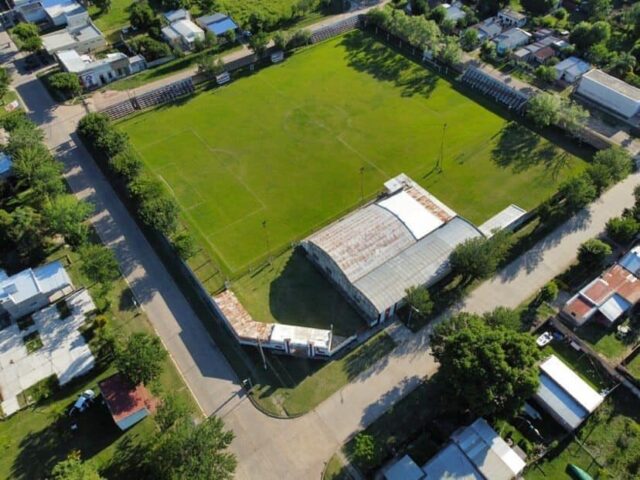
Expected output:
(610, 92)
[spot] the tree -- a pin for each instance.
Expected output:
(365, 449)
(549, 292)
(112, 142)
(479, 257)
(103, 5)
(141, 15)
(5, 81)
(66, 215)
(211, 65)
(584, 35)
(544, 109)
(598, 9)
(171, 411)
(126, 164)
(27, 36)
(24, 227)
(539, 7)
(438, 14)
(545, 74)
(469, 40)
(593, 253)
(73, 468)
(450, 52)
(572, 117)
(156, 208)
(99, 264)
(195, 452)
(419, 301)
(623, 229)
(623, 64)
(617, 160)
(184, 245)
(280, 40)
(25, 135)
(150, 48)
(577, 193)
(258, 43)
(488, 369)
(140, 358)
(68, 84)
(35, 168)
(93, 124)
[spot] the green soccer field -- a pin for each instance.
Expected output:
(286, 146)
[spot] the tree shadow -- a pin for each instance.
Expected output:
(515, 148)
(370, 56)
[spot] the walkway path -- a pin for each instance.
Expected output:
(269, 448)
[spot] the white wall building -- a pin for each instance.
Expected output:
(80, 35)
(31, 289)
(610, 92)
(511, 18)
(511, 39)
(94, 73)
(183, 34)
(55, 12)
(571, 69)
(489, 29)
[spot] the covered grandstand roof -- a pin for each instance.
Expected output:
(397, 242)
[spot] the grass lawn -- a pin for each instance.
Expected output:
(335, 470)
(634, 367)
(581, 363)
(604, 341)
(115, 19)
(611, 436)
(291, 290)
(286, 145)
(36, 438)
(9, 97)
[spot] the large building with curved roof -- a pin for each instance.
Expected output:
(401, 240)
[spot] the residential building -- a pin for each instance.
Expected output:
(54, 12)
(564, 395)
(511, 39)
(475, 452)
(183, 34)
(127, 403)
(218, 24)
(611, 93)
(511, 18)
(571, 69)
(31, 289)
(82, 36)
(454, 11)
(176, 15)
(6, 166)
(607, 298)
(94, 73)
(401, 240)
(286, 339)
(489, 29)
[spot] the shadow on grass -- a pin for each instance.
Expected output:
(367, 55)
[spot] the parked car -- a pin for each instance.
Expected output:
(83, 402)
(544, 339)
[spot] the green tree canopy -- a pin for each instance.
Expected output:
(66, 83)
(544, 109)
(66, 215)
(73, 468)
(140, 358)
(479, 257)
(539, 7)
(488, 369)
(577, 193)
(623, 229)
(593, 253)
(99, 264)
(419, 301)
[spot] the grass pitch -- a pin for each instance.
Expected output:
(287, 145)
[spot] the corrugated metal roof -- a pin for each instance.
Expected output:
(419, 220)
(555, 399)
(502, 219)
(571, 383)
(420, 264)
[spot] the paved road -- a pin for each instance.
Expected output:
(269, 448)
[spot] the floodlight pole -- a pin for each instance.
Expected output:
(361, 183)
(266, 236)
(441, 158)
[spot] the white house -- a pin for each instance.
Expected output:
(54, 12)
(183, 34)
(475, 452)
(511, 39)
(31, 289)
(571, 69)
(511, 18)
(94, 73)
(564, 395)
(610, 92)
(176, 15)
(80, 35)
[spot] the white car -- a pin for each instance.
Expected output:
(83, 402)
(544, 339)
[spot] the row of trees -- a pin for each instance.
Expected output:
(625, 228)
(419, 32)
(155, 206)
(546, 109)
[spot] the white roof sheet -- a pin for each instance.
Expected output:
(450, 463)
(55, 8)
(187, 29)
(301, 336)
(571, 383)
(412, 214)
(614, 84)
(502, 219)
(614, 308)
(631, 261)
(28, 283)
(404, 469)
(556, 400)
(72, 60)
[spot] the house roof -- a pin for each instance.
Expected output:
(123, 399)
(185, 28)
(404, 469)
(67, 38)
(544, 53)
(571, 383)
(573, 65)
(475, 453)
(554, 398)
(503, 219)
(631, 261)
(399, 241)
(175, 15)
(244, 326)
(614, 84)
(217, 23)
(31, 282)
(55, 8)
(513, 36)
(507, 12)
(454, 11)
(5, 163)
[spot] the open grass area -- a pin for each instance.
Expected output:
(291, 290)
(115, 19)
(634, 367)
(36, 438)
(608, 445)
(286, 147)
(9, 97)
(581, 363)
(606, 342)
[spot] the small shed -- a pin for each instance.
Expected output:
(127, 403)
(509, 219)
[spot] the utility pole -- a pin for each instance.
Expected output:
(362, 183)
(266, 237)
(441, 157)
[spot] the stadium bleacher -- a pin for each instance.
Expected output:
(495, 89)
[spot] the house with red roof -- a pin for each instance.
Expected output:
(127, 403)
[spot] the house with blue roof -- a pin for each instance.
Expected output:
(217, 23)
(6, 166)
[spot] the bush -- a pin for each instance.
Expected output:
(593, 253)
(549, 292)
(67, 84)
(577, 193)
(623, 229)
(150, 48)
